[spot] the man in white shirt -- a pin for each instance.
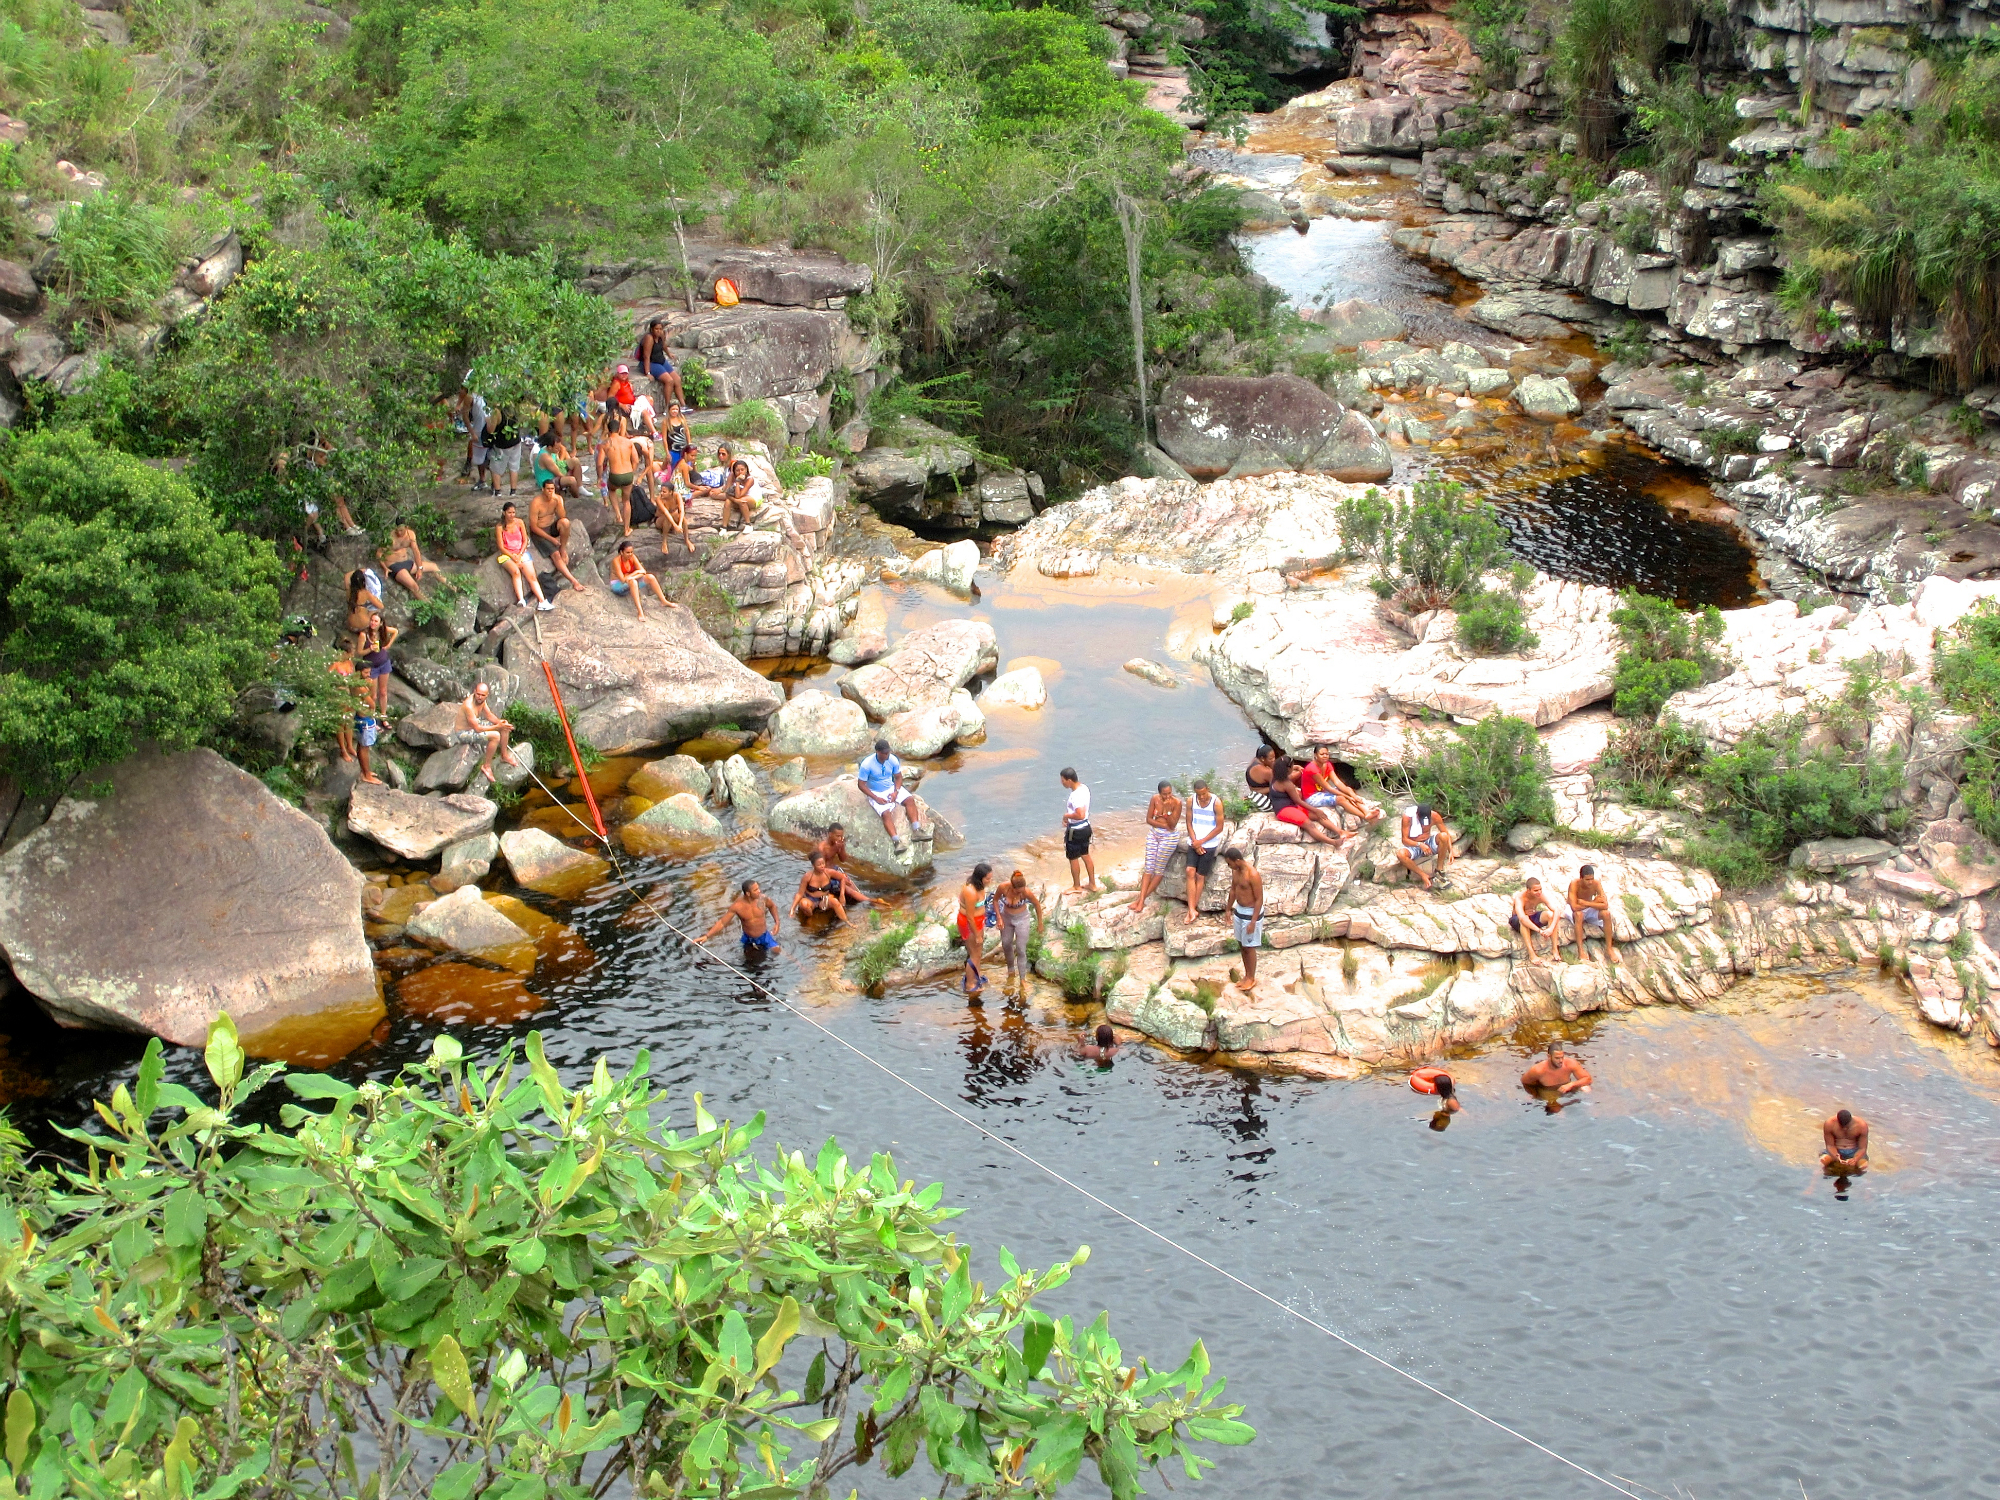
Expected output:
(1076, 834)
(880, 778)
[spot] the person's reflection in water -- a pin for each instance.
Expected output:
(998, 1063)
(1448, 1105)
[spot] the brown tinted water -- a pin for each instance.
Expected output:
(1656, 1281)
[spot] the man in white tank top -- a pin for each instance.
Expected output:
(1204, 832)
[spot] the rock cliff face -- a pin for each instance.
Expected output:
(1845, 447)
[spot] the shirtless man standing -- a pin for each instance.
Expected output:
(618, 462)
(1558, 1071)
(479, 725)
(1163, 816)
(1590, 906)
(759, 915)
(1846, 1139)
(1246, 910)
(1534, 915)
(1204, 831)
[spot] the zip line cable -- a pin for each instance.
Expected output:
(646, 900)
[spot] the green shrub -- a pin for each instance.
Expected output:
(942, 400)
(696, 383)
(1080, 971)
(795, 469)
(1431, 548)
(1778, 792)
(1664, 652)
(541, 728)
(1966, 672)
(1647, 757)
(127, 611)
(1494, 622)
(1732, 437)
(513, 1288)
(1733, 860)
(872, 960)
(1243, 610)
(1629, 346)
(1320, 367)
(112, 260)
(441, 596)
(755, 421)
(1485, 778)
(712, 605)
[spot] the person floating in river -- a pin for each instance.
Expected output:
(1246, 911)
(1590, 907)
(1102, 1046)
(972, 927)
(819, 890)
(1533, 916)
(1163, 836)
(1447, 1097)
(1558, 1071)
(759, 915)
(1845, 1136)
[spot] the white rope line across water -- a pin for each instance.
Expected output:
(1139, 1224)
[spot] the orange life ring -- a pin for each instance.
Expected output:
(1424, 1080)
(727, 294)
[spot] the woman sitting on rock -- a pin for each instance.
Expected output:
(510, 539)
(628, 573)
(743, 493)
(1288, 805)
(364, 597)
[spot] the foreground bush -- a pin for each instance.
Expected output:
(476, 1281)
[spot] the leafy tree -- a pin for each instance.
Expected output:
(547, 120)
(322, 369)
(127, 613)
(1664, 652)
(479, 1282)
(1044, 69)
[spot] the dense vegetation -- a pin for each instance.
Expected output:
(417, 183)
(1485, 778)
(475, 1281)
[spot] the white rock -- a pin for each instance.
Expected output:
(818, 723)
(1020, 688)
(463, 923)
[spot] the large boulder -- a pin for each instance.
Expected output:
(778, 278)
(817, 723)
(952, 567)
(678, 825)
(659, 779)
(754, 353)
(809, 814)
(925, 669)
(544, 863)
(188, 891)
(1021, 688)
(919, 733)
(1213, 425)
(1546, 396)
(464, 923)
(632, 684)
(417, 828)
(1352, 323)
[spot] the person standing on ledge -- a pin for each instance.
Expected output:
(1163, 816)
(1076, 835)
(759, 915)
(1846, 1138)
(972, 927)
(1246, 911)
(1204, 832)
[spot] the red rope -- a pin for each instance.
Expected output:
(589, 797)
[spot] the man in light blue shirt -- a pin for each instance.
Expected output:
(881, 781)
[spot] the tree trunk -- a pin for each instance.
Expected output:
(1132, 225)
(680, 235)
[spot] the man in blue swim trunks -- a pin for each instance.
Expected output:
(759, 915)
(1846, 1138)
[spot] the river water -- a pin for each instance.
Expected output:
(1656, 1282)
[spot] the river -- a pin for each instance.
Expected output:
(1656, 1282)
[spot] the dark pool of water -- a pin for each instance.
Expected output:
(1655, 1282)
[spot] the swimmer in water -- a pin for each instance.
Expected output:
(1101, 1049)
(1558, 1071)
(1447, 1097)
(1846, 1139)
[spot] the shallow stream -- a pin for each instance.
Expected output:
(1656, 1282)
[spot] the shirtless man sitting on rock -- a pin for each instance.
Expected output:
(479, 725)
(1590, 908)
(1533, 917)
(1846, 1138)
(833, 848)
(1558, 1071)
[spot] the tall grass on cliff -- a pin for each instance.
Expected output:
(1602, 41)
(1901, 218)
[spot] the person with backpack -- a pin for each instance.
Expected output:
(503, 449)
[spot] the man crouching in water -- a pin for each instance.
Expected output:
(1846, 1139)
(1558, 1071)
